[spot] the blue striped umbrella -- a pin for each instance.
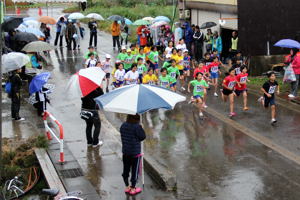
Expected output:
(138, 99)
(34, 31)
(161, 18)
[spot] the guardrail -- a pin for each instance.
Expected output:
(50, 132)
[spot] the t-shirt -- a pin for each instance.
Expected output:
(214, 67)
(270, 87)
(91, 63)
(237, 69)
(106, 66)
(168, 50)
(173, 72)
(181, 46)
(207, 61)
(198, 87)
(151, 80)
(86, 55)
(242, 78)
(179, 61)
(122, 56)
(203, 70)
(230, 81)
(140, 56)
(128, 58)
(119, 75)
(141, 69)
(153, 56)
(165, 81)
(132, 75)
(166, 64)
(187, 62)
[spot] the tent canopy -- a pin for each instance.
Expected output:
(48, 1)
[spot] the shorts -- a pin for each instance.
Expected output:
(153, 66)
(197, 96)
(141, 78)
(107, 75)
(127, 70)
(239, 92)
(118, 84)
(172, 85)
(227, 92)
(269, 101)
(214, 75)
(181, 72)
(186, 69)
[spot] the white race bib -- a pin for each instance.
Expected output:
(272, 89)
(231, 84)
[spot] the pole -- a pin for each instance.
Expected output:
(142, 154)
(1, 16)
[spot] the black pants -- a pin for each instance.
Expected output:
(70, 44)
(131, 163)
(15, 105)
(93, 35)
(41, 107)
(94, 121)
(116, 41)
(60, 37)
(198, 52)
(126, 40)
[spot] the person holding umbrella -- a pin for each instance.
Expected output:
(93, 32)
(71, 34)
(59, 26)
(294, 60)
(15, 94)
(115, 32)
(132, 134)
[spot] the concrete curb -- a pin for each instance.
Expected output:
(163, 177)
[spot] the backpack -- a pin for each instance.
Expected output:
(8, 87)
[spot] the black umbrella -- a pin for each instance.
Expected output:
(208, 25)
(116, 18)
(25, 37)
(11, 23)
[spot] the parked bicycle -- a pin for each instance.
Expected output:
(13, 189)
(54, 194)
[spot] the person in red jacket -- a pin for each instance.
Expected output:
(241, 86)
(294, 60)
(143, 33)
(228, 90)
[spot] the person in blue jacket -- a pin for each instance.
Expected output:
(217, 43)
(132, 134)
(188, 36)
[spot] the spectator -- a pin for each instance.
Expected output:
(234, 44)
(198, 43)
(217, 43)
(42, 100)
(115, 32)
(46, 30)
(59, 26)
(93, 32)
(294, 60)
(71, 34)
(188, 36)
(124, 32)
(143, 33)
(208, 40)
(15, 94)
(178, 32)
(80, 33)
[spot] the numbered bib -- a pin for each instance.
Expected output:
(199, 88)
(243, 79)
(237, 70)
(231, 84)
(186, 63)
(272, 89)
(173, 74)
(215, 69)
(164, 83)
(140, 70)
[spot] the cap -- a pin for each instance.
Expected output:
(123, 48)
(107, 56)
(128, 50)
(91, 47)
(118, 61)
(185, 50)
(168, 56)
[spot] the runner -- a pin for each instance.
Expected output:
(228, 88)
(179, 64)
(150, 78)
(132, 77)
(269, 88)
(167, 63)
(91, 50)
(173, 72)
(117, 63)
(164, 78)
(153, 59)
(169, 49)
(186, 62)
(142, 69)
(142, 55)
(106, 67)
(207, 59)
(200, 85)
(215, 72)
(91, 62)
(119, 76)
(128, 60)
(122, 55)
(181, 45)
(241, 87)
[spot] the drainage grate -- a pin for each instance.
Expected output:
(71, 173)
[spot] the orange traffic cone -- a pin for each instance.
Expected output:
(40, 12)
(18, 11)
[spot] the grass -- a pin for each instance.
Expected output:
(258, 81)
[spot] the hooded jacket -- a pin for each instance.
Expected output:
(188, 33)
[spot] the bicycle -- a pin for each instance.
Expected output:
(12, 189)
(54, 194)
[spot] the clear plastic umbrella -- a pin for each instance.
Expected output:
(13, 61)
(95, 16)
(38, 46)
(76, 15)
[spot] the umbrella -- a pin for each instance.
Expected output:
(34, 31)
(116, 18)
(208, 25)
(85, 81)
(31, 24)
(127, 21)
(148, 19)
(95, 16)
(13, 61)
(11, 23)
(38, 46)
(161, 18)
(25, 37)
(38, 82)
(138, 99)
(47, 20)
(76, 15)
(288, 43)
(140, 22)
(28, 18)
(158, 24)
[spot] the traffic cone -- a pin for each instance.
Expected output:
(18, 11)
(40, 12)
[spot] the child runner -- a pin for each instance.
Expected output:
(207, 59)
(179, 62)
(228, 88)
(186, 62)
(198, 93)
(150, 78)
(141, 55)
(91, 50)
(164, 78)
(269, 88)
(91, 62)
(134, 50)
(117, 63)
(215, 72)
(173, 72)
(122, 55)
(128, 60)
(241, 87)
(167, 63)
(142, 69)
(119, 76)
(153, 59)
(181, 45)
(169, 49)
(132, 77)
(106, 67)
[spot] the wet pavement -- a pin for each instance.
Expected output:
(212, 160)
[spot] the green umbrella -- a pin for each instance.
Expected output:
(140, 22)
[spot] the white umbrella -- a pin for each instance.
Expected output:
(13, 61)
(38, 46)
(31, 24)
(158, 24)
(150, 19)
(95, 16)
(76, 15)
(34, 31)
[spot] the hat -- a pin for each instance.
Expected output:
(168, 56)
(123, 48)
(91, 47)
(107, 56)
(118, 61)
(185, 50)
(128, 50)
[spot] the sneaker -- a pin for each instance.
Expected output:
(205, 106)
(215, 94)
(291, 96)
(107, 90)
(232, 114)
(183, 88)
(100, 143)
(135, 191)
(273, 121)
(201, 114)
(127, 190)
(260, 99)
(20, 119)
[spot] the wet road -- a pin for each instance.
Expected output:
(212, 160)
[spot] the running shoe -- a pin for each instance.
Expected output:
(204, 105)
(232, 114)
(89, 145)
(260, 99)
(201, 114)
(127, 190)
(100, 143)
(20, 119)
(183, 88)
(291, 96)
(215, 94)
(273, 121)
